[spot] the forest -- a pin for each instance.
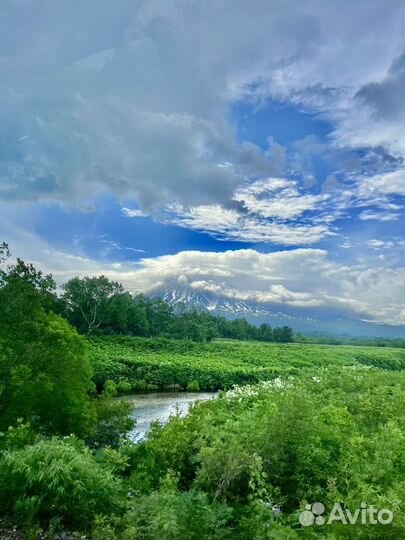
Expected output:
(293, 423)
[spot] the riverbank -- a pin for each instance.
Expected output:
(159, 407)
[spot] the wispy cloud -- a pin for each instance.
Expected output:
(131, 212)
(112, 245)
(370, 215)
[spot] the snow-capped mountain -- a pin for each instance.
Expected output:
(300, 319)
(218, 305)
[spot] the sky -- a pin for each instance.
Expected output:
(254, 150)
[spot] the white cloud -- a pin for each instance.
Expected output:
(370, 215)
(277, 294)
(390, 183)
(136, 99)
(345, 76)
(112, 245)
(278, 210)
(264, 210)
(299, 278)
(277, 198)
(131, 212)
(226, 224)
(379, 244)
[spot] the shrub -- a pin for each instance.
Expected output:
(17, 436)
(337, 436)
(170, 515)
(162, 364)
(55, 478)
(114, 420)
(193, 386)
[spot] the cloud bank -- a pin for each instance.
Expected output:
(134, 98)
(299, 278)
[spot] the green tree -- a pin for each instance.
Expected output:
(265, 332)
(239, 329)
(125, 316)
(117, 313)
(45, 373)
(4, 252)
(160, 315)
(283, 335)
(87, 301)
(33, 286)
(55, 479)
(137, 320)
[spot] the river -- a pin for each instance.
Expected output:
(160, 406)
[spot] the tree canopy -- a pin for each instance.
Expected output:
(45, 374)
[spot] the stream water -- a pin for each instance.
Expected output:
(160, 406)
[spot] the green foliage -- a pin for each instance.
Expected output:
(159, 363)
(44, 368)
(89, 302)
(325, 423)
(4, 252)
(330, 432)
(319, 337)
(55, 479)
(169, 514)
(24, 289)
(46, 377)
(96, 305)
(17, 436)
(336, 437)
(193, 386)
(114, 418)
(283, 335)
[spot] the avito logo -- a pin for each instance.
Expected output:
(366, 515)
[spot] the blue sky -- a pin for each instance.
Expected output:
(255, 150)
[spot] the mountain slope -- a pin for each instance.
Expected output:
(300, 319)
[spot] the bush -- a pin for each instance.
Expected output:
(170, 515)
(114, 418)
(17, 436)
(55, 478)
(193, 386)
(337, 436)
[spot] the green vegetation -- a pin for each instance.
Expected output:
(44, 368)
(55, 479)
(337, 436)
(98, 306)
(160, 364)
(225, 470)
(307, 423)
(318, 337)
(45, 372)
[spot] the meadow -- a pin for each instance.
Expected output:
(141, 364)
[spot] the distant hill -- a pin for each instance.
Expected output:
(300, 319)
